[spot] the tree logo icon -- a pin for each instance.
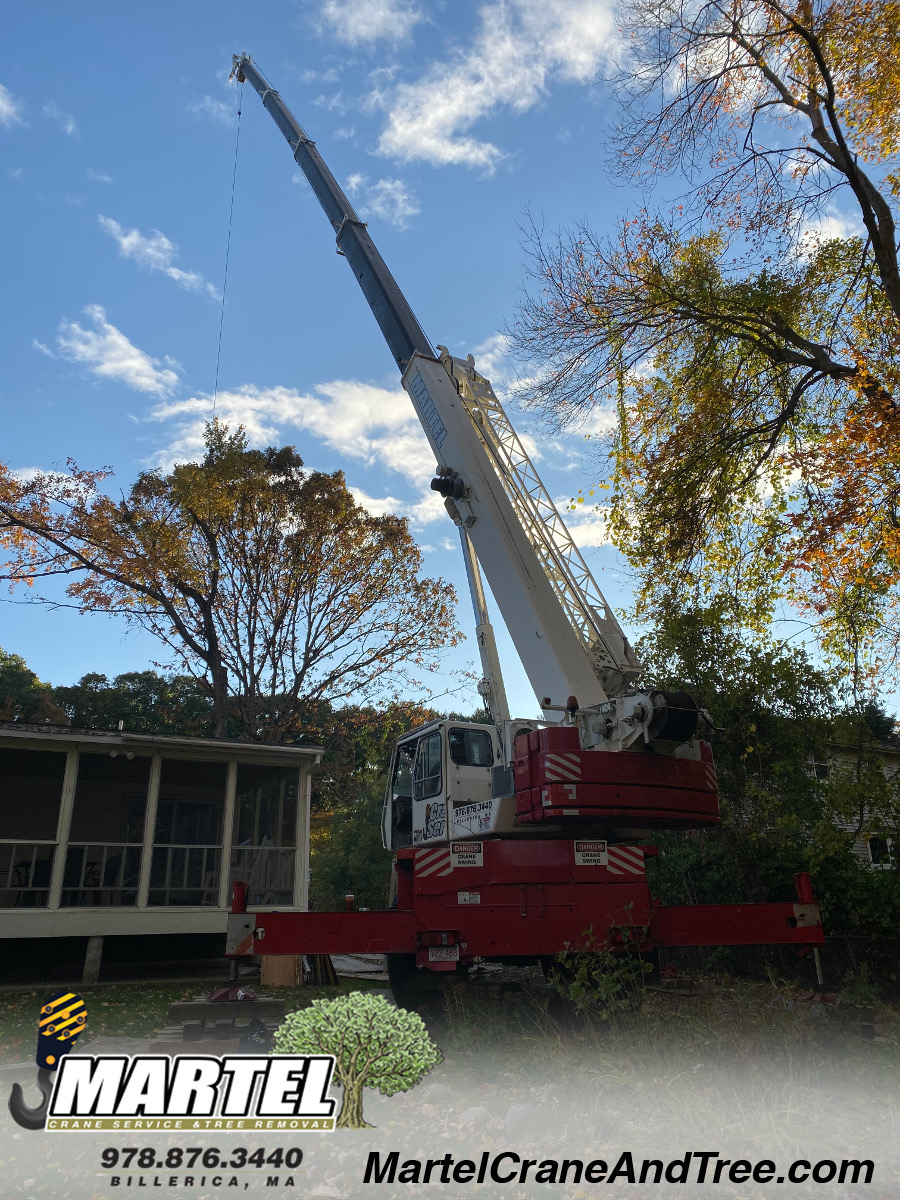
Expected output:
(375, 1045)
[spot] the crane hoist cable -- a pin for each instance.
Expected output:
(237, 144)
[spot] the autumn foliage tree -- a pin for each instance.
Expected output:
(744, 344)
(266, 581)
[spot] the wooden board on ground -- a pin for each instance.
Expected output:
(282, 970)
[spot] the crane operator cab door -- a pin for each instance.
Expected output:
(440, 785)
(471, 752)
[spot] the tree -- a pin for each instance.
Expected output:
(747, 343)
(267, 582)
(801, 782)
(144, 701)
(22, 695)
(375, 1045)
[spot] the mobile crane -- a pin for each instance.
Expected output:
(510, 839)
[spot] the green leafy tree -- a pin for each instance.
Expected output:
(346, 852)
(145, 701)
(22, 695)
(375, 1046)
(801, 780)
(746, 340)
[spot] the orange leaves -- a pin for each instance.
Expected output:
(268, 580)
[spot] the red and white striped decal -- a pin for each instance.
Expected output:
(562, 768)
(624, 859)
(711, 778)
(434, 861)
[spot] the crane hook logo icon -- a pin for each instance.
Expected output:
(63, 1017)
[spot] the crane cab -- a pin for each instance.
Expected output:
(443, 784)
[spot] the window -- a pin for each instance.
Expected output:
(402, 782)
(427, 772)
(31, 783)
(110, 799)
(401, 795)
(30, 792)
(187, 841)
(265, 832)
(880, 852)
(103, 859)
(471, 747)
(98, 876)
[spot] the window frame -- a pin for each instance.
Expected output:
(423, 742)
(484, 732)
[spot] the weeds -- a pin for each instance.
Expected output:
(859, 988)
(596, 981)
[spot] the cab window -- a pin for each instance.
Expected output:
(471, 748)
(427, 771)
(402, 782)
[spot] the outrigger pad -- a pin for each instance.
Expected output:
(221, 994)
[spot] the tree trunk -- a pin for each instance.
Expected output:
(220, 700)
(351, 1116)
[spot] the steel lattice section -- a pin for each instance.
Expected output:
(575, 587)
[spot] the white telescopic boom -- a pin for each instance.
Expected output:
(565, 633)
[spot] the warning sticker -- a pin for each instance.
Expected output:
(591, 854)
(468, 897)
(467, 854)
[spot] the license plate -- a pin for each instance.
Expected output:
(443, 953)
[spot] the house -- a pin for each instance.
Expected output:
(875, 851)
(113, 834)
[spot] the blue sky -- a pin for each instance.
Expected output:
(444, 121)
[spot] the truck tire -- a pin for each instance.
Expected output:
(413, 986)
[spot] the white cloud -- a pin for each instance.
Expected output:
(10, 109)
(388, 199)
(334, 103)
(156, 253)
(213, 110)
(588, 526)
(332, 75)
(824, 227)
(99, 177)
(356, 21)
(376, 426)
(420, 512)
(16, 173)
(372, 424)
(108, 354)
(521, 47)
(64, 120)
(494, 359)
